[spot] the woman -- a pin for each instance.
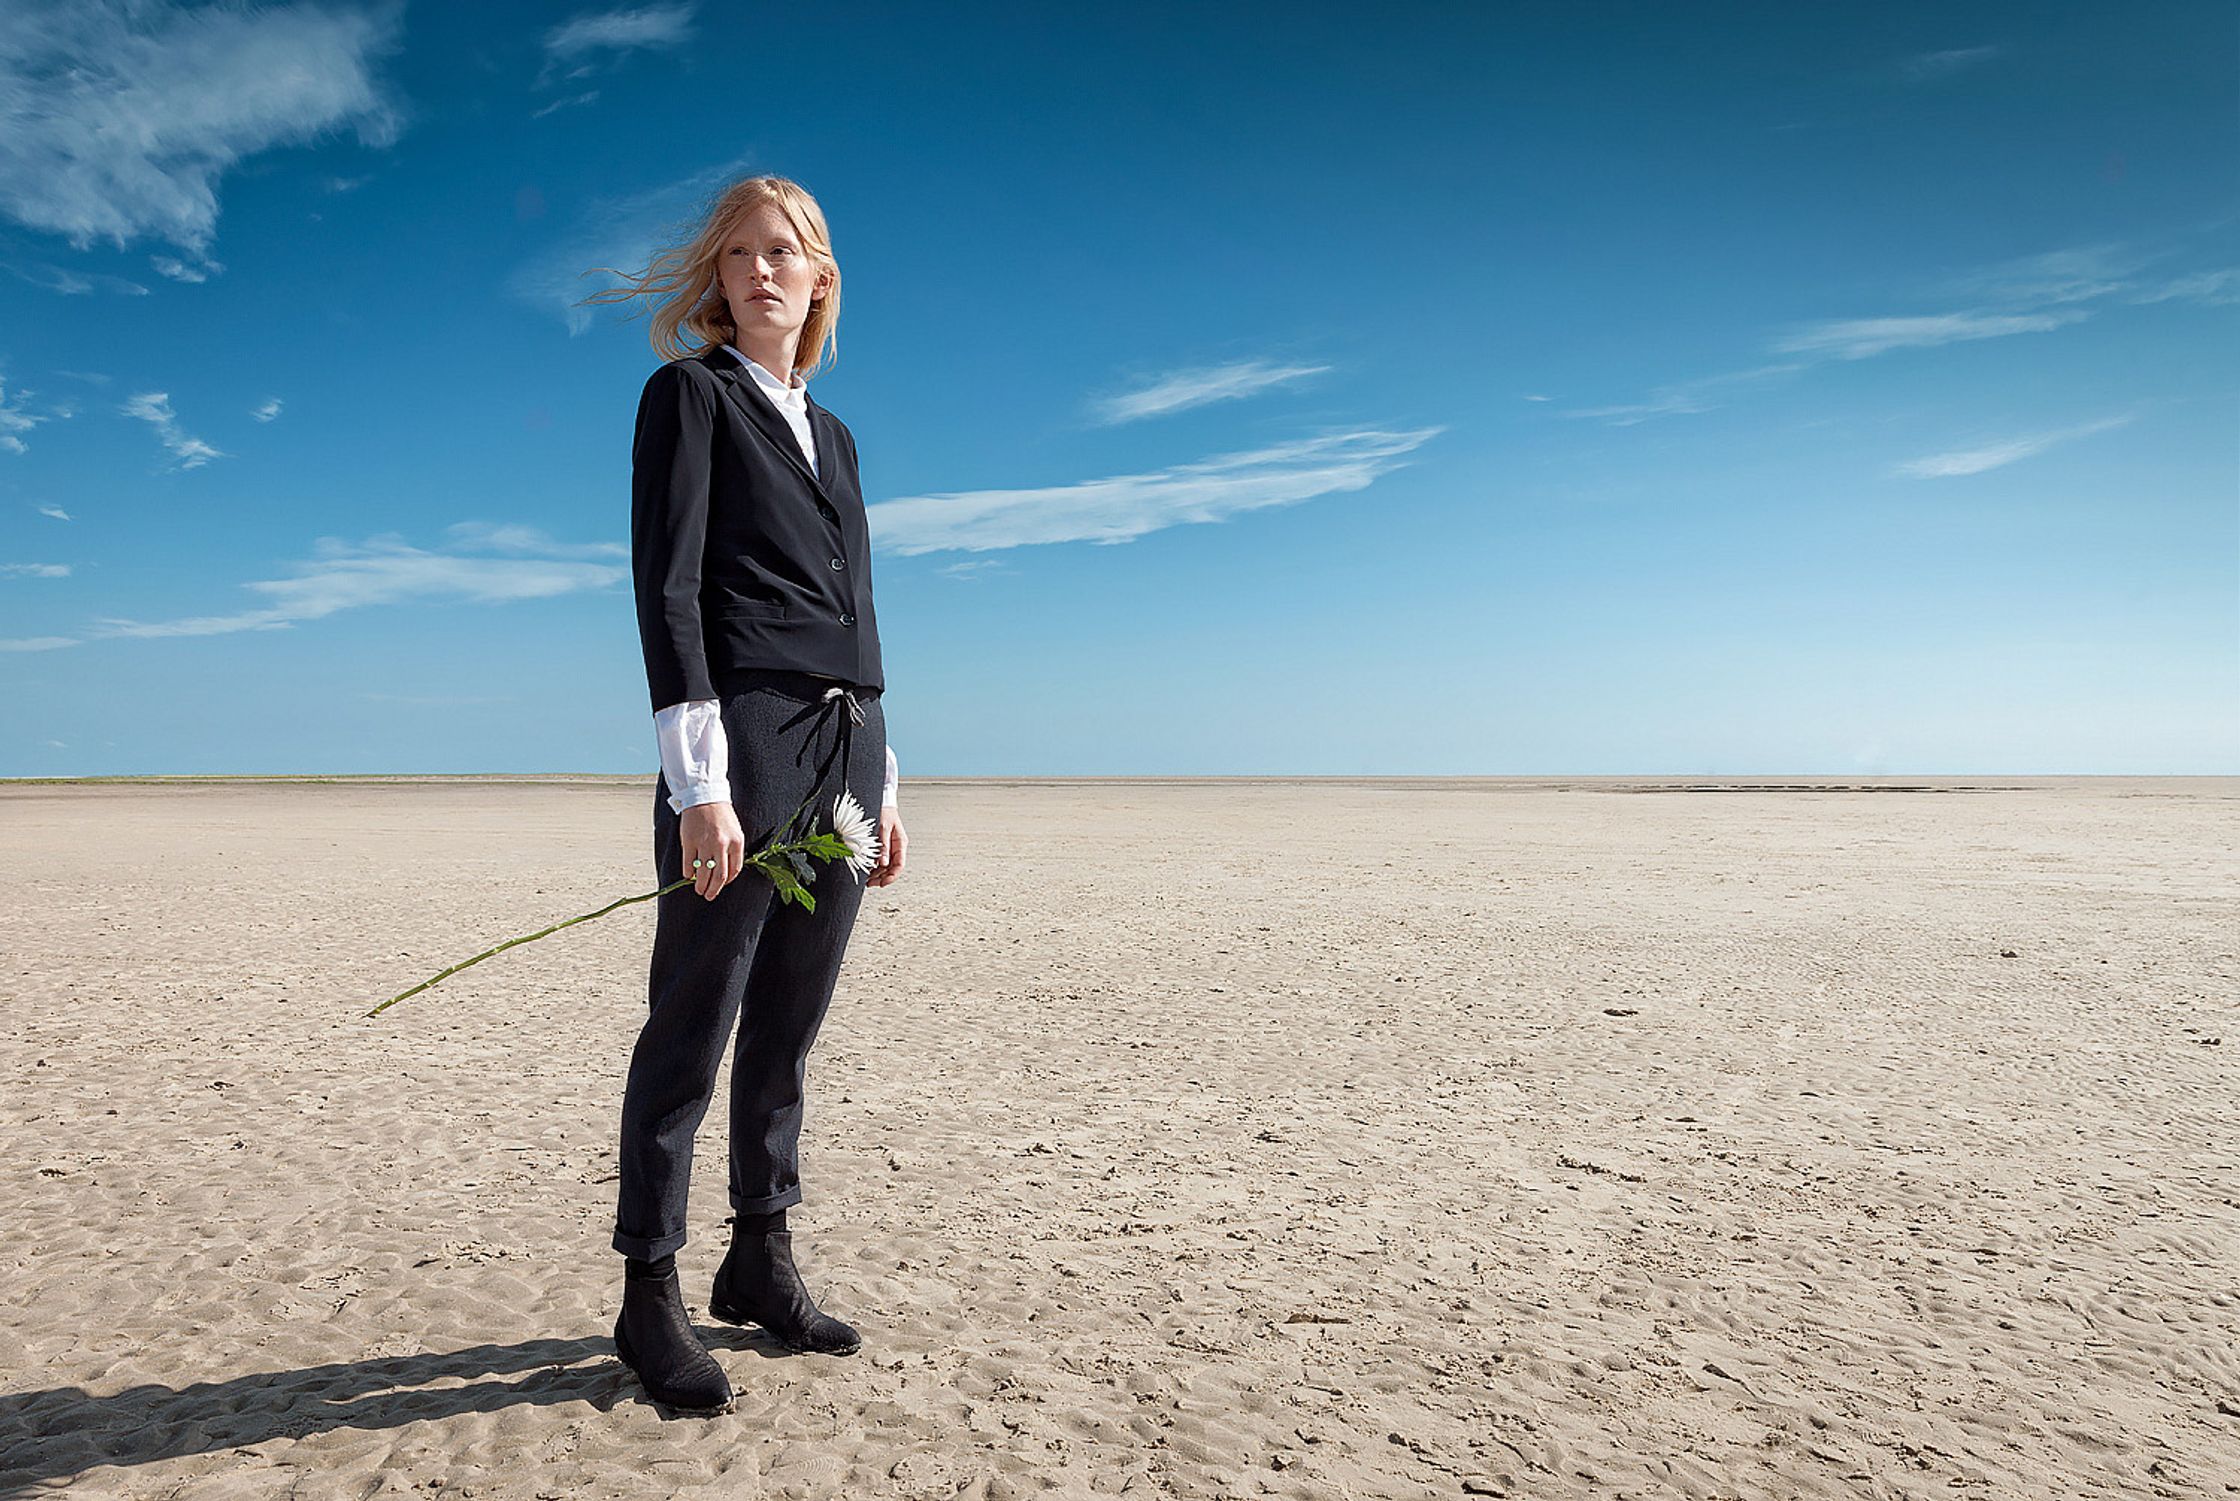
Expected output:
(751, 559)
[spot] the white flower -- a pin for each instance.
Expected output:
(857, 831)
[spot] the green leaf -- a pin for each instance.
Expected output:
(790, 888)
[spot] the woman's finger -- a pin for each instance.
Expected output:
(890, 855)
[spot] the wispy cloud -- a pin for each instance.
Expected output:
(1124, 507)
(525, 541)
(620, 232)
(443, 700)
(2220, 288)
(74, 284)
(178, 270)
(972, 568)
(154, 408)
(16, 419)
(1927, 65)
(1860, 338)
(1182, 389)
(1680, 397)
(49, 508)
(266, 412)
(123, 115)
(2026, 294)
(2072, 274)
(578, 45)
(588, 96)
(478, 563)
(36, 570)
(2006, 451)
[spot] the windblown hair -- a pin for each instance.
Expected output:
(689, 312)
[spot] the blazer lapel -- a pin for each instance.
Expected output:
(763, 414)
(828, 445)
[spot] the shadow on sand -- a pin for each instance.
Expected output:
(48, 1437)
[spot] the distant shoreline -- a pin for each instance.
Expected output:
(1637, 782)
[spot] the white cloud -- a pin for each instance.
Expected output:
(37, 570)
(1680, 397)
(1183, 389)
(266, 412)
(1124, 507)
(973, 568)
(2074, 273)
(1926, 65)
(479, 563)
(57, 512)
(620, 232)
(1860, 338)
(570, 102)
(73, 284)
(572, 48)
(528, 541)
(179, 270)
(37, 643)
(2219, 288)
(1994, 455)
(15, 418)
(154, 408)
(119, 117)
(2026, 294)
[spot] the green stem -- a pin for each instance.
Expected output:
(759, 860)
(524, 938)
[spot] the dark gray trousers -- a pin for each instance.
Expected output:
(744, 958)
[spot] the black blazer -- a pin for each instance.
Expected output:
(741, 557)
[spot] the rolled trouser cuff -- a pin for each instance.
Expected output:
(648, 1250)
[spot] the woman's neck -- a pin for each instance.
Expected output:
(778, 361)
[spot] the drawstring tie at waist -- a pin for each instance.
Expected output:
(838, 696)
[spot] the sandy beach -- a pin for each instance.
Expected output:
(1526, 1138)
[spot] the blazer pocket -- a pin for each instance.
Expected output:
(751, 609)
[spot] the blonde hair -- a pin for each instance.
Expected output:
(688, 300)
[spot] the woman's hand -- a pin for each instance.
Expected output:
(892, 843)
(710, 831)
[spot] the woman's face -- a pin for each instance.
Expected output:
(766, 275)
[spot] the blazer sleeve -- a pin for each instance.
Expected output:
(670, 460)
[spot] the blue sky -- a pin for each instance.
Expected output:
(1456, 389)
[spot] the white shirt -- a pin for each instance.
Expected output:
(695, 757)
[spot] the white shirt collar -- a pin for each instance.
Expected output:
(794, 388)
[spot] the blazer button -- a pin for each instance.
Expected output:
(828, 513)
(847, 619)
(838, 564)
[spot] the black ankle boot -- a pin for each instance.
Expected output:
(654, 1337)
(757, 1284)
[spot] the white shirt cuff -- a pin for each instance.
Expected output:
(695, 757)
